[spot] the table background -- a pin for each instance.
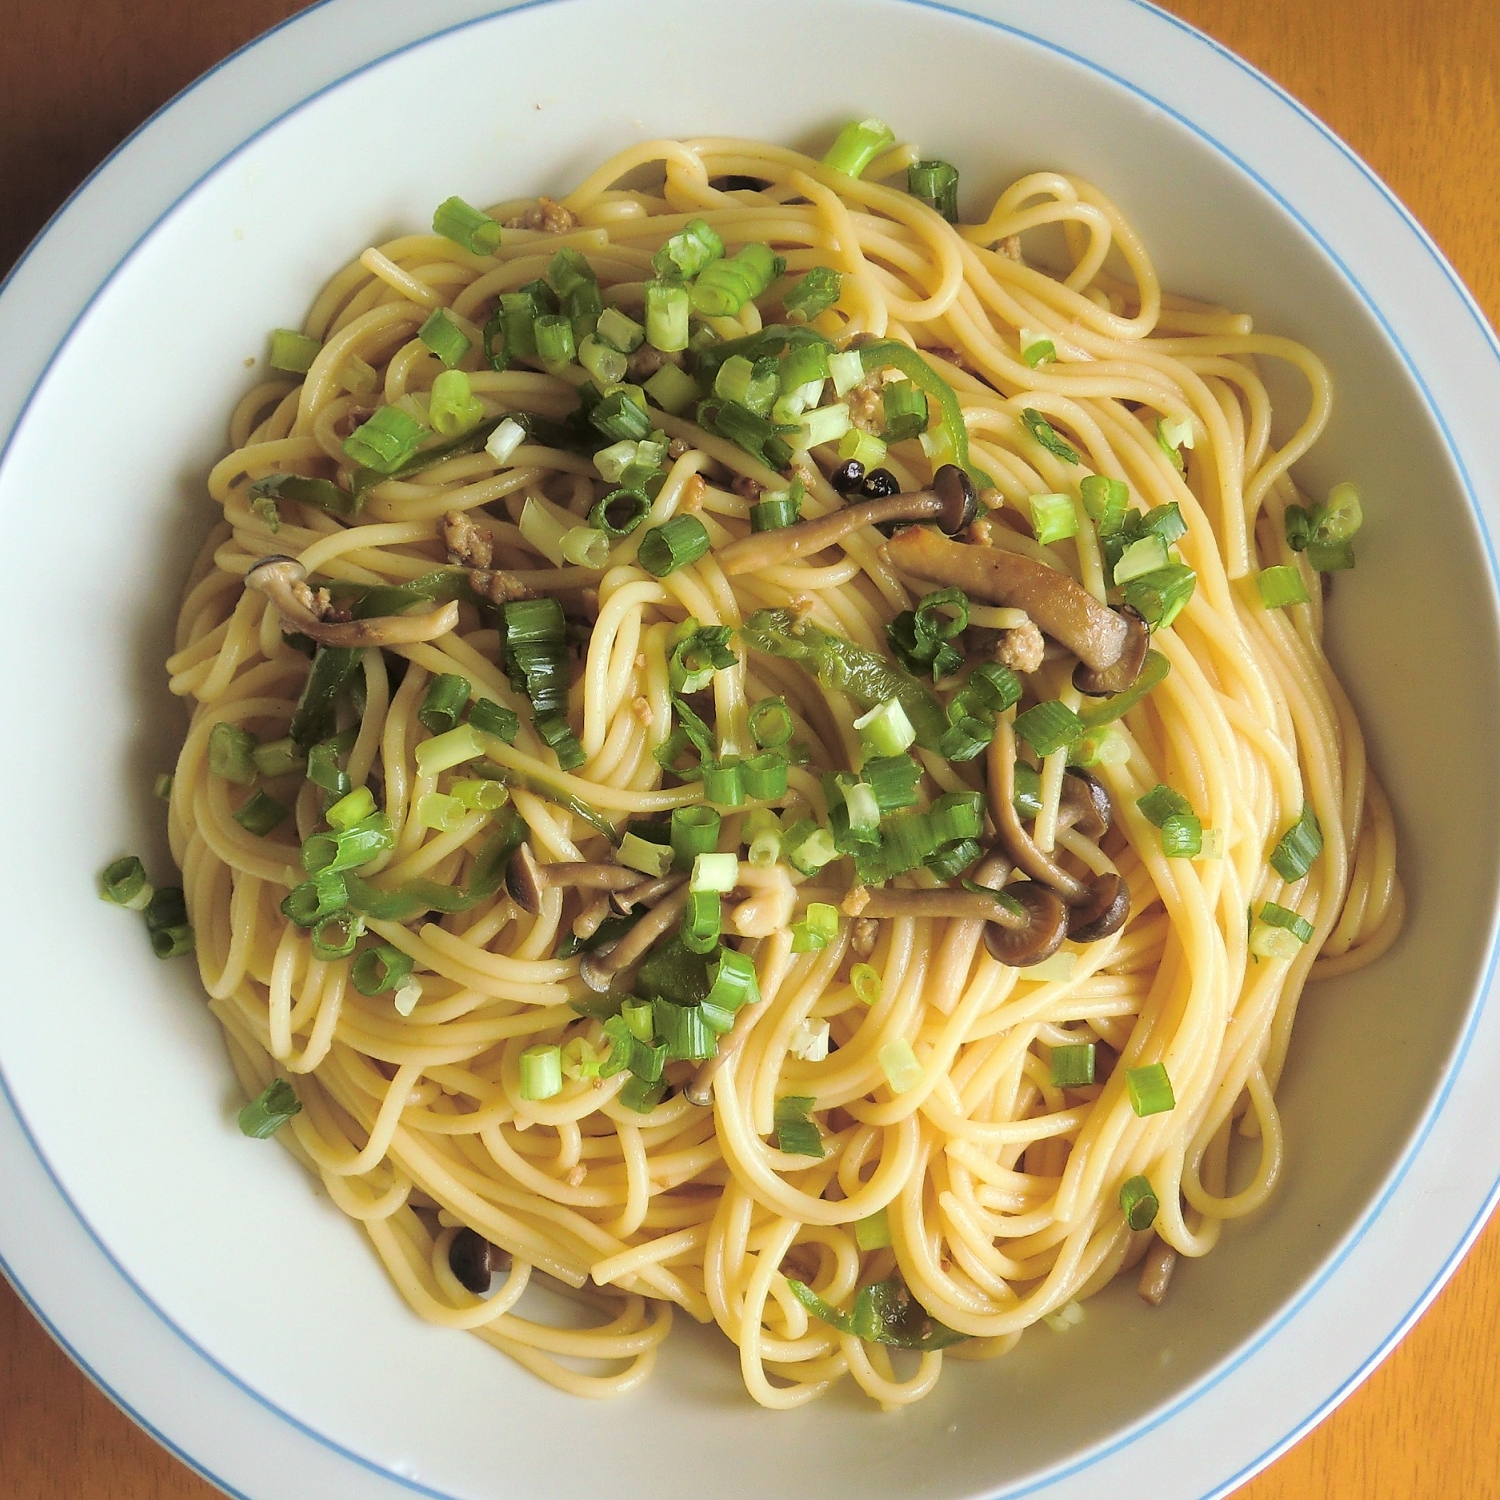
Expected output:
(1412, 85)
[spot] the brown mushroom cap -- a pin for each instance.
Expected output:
(1038, 937)
(1124, 672)
(526, 879)
(950, 502)
(1085, 805)
(1103, 912)
(473, 1260)
(1060, 607)
(278, 578)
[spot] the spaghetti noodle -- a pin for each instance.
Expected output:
(939, 1052)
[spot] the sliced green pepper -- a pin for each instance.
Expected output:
(890, 352)
(866, 677)
(413, 897)
(884, 1312)
(1107, 710)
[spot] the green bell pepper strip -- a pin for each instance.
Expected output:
(927, 380)
(332, 668)
(866, 677)
(413, 897)
(884, 1312)
(548, 791)
(1107, 710)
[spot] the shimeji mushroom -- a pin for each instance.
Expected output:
(526, 878)
(283, 580)
(1110, 644)
(950, 502)
(598, 968)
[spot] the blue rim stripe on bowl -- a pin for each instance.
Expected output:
(1212, 1378)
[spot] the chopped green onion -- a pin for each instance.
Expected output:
(585, 547)
(261, 814)
(714, 872)
(267, 1113)
(824, 424)
(796, 1132)
(444, 337)
(765, 775)
(379, 969)
(874, 1232)
(602, 360)
(620, 331)
(1106, 500)
(162, 786)
(166, 921)
(350, 848)
(673, 389)
(815, 293)
(957, 815)
(1053, 518)
(865, 979)
(386, 441)
(1044, 433)
(1073, 1065)
(725, 286)
(618, 415)
(1279, 916)
(1270, 941)
(951, 860)
(480, 796)
(515, 319)
(580, 1061)
(642, 1095)
(465, 225)
(336, 936)
(899, 1064)
(684, 1030)
(996, 685)
(724, 783)
(1281, 586)
(936, 184)
(667, 309)
(857, 145)
(1341, 517)
(809, 846)
(1150, 1089)
(771, 722)
(1161, 803)
(847, 370)
(732, 981)
(1138, 1200)
(488, 717)
(292, 351)
(619, 512)
(443, 705)
(764, 847)
(819, 929)
(504, 440)
(1182, 836)
(323, 768)
(278, 757)
(747, 384)
(554, 342)
(1145, 555)
(695, 831)
(689, 250)
(557, 734)
(124, 883)
(1049, 726)
(673, 545)
(1298, 847)
(1036, 348)
(445, 751)
(541, 1072)
(1160, 596)
(903, 411)
(440, 812)
(357, 377)
(893, 781)
(863, 447)
(886, 730)
(702, 920)
(231, 753)
(453, 409)
(651, 859)
(1172, 434)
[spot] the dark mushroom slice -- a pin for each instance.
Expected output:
(1001, 779)
(1102, 911)
(1124, 672)
(1038, 936)
(1085, 805)
(473, 1260)
(597, 969)
(1156, 1272)
(950, 502)
(283, 580)
(1096, 634)
(526, 879)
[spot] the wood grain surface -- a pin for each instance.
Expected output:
(1410, 84)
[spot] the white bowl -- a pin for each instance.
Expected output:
(200, 1278)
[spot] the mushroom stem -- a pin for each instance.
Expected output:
(959, 904)
(1156, 1272)
(597, 969)
(281, 578)
(1065, 610)
(526, 879)
(950, 502)
(1002, 791)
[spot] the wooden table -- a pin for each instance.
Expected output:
(1412, 85)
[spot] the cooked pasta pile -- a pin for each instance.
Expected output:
(1036, 800)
